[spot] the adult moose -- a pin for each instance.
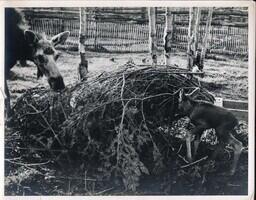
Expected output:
(22, 44)
(204, 116)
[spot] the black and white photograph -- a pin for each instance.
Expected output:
(128, 100)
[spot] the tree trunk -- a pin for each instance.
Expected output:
(206, 36)
(152, 34)
(83, 65)
(190, 49)
(168, 35)
(193, 35)
(143, 13)
(196, 29)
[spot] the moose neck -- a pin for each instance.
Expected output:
(15, 41)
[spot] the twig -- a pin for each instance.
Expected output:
(27, 148)
(193, 163)
(69, 187)
(179, 149)
(55, 135)
(103, 191)
(233, 185)
(62, 108)
(122, 121)
(34, 113)
(28, 164)
(182, 158)
(10, 159)
(85, 181)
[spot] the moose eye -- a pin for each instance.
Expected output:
(49, 51)
(57, 56)
(41, 59)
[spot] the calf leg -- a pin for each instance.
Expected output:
(196, 144)
(217, 150)
(196, 131)
(226, 136)
(188, 145)
(238, 147)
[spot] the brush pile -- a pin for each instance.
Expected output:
(112, 125)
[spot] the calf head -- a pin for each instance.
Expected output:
(185, 101)
(44, 55)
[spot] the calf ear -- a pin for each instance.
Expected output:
(181, 95)
(194, 93)
(30, 37)
(60, 38)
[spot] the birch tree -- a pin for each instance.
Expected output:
(168, 35)
(83, 65)
(152, 34)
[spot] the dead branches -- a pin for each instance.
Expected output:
(107, 120)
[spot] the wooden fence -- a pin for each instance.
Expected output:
(133, 37)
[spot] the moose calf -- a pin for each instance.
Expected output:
(204, 116)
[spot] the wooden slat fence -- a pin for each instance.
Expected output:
(132, 37)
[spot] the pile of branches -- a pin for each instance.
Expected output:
(111, 125)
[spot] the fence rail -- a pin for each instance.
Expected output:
(132, 37)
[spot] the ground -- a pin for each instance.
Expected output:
(228, 79)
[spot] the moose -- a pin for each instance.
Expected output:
(204, 115)
(22, 44)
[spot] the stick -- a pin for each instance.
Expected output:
(122, 120)
(55, 135)
(193, 163)
(26, 165)
(103, 191)
(183, 158)
(34, 113)
(85, 181)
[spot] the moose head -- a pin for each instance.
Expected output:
(43, 53)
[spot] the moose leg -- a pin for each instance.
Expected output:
(238, 147)
(7, 101)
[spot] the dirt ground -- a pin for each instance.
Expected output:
(229, 80)
(230, 77)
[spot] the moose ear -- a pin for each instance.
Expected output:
(60, 38)
(30, 37)
(39, 73)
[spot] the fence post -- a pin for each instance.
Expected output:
(152, 34)
(83, 65)
(168, 35)
(206, 36)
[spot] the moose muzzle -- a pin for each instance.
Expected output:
(56, 83)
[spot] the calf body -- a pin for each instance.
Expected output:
(205, 116)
